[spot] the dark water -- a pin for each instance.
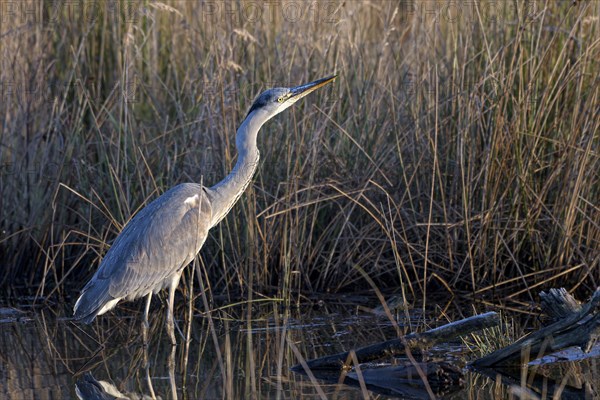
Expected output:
(236, 353)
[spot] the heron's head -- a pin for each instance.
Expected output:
(273, 101)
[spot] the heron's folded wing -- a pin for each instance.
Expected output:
(162, 238)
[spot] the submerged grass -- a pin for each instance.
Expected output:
(456, 153)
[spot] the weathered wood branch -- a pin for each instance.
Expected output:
(573, 324)
(410, 342)
(576, 326)
(558, 304)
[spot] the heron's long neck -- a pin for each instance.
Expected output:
(228, 191)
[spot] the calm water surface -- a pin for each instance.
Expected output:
(237, 353)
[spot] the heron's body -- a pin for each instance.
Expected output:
(165, 236)
(151, 251)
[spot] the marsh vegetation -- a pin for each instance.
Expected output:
(454, 155)
(456, 158)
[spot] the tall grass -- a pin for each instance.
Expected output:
(458, 152)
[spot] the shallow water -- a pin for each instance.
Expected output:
(236, 353)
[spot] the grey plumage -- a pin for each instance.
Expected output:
(157, 243)
(165, 236)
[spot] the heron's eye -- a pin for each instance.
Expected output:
(281, 99)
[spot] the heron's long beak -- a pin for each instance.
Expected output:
(298, 92)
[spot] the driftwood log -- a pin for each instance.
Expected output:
(574, 325)
(558, 304)
(408, 343)
(571, 324)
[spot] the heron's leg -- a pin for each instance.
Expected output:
(170, 318)
(145, 323)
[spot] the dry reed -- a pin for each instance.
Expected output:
(457, 153)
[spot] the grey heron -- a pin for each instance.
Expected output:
(156, 245)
